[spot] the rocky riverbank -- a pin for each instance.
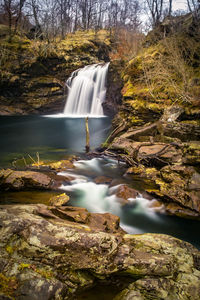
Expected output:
(157, 129)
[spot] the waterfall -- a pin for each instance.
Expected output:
(87, 91)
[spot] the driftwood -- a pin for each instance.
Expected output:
(87, 145)
(121, 127)
(141, 131)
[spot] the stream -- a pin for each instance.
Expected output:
(56, 138)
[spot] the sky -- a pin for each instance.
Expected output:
(179, 4)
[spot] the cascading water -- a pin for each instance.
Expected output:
(87, 91)
(89, 189)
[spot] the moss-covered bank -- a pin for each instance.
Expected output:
(33, 72)
(157, 129)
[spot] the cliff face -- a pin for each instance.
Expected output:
(34, 72)
(157, 129)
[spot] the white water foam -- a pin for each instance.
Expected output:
(100, 198)
(93, 165)
(72, 116)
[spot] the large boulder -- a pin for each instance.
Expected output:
(176, 185)
(125, 194)
(43, 256)
(18, 180)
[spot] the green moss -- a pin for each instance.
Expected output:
(164, 73)
(9, 249)
(191, 122)
(44, 273)
(8, 285)
(23, 266)
(48, 274)
(134, 120)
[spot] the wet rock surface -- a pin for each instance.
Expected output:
(168, 161)
(36, 176)
(53, 254)
(18, 180)
(59, 200)
(177, 185)
(125, 193)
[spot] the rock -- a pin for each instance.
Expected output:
(58, 180)
(18, 180)
(166, 153)
(102, 180)
(10, 110)
(72, 214)
(172, 114)
(59, 200)
(115, 182)
(124, 192)
(114, 83)
(103, 222)
(177, 210)
(175, 184)
(137, 170)
(194, 183)
(61, 165)
(182, 130)
(179, 183)
(192, 153)
(156, 205)
(52, 258)
(147, 153)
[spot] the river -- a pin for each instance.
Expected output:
(55, 138)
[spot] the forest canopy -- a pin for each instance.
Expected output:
(52, 18)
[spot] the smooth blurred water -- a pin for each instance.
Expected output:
(51, 136)
(87, 90)
(137, 216)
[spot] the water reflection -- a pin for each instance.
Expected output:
(28, 134)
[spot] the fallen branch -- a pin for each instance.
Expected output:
(87, 146)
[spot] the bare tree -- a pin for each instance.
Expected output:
(156, 11)
(170, 8)
(52, 17)
(19, 7)
(13, 12)
(194, 8)
(8, 8)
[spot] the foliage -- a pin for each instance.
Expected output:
(126, 44)
(168, 70)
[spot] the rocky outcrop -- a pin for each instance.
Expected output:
(124, 193)
(18, 180)
(164, 154)
(34, 72)
(54, 254)
(39, 175)
(114, 87)
(59, 200)
(157, 130)
(174, 184)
